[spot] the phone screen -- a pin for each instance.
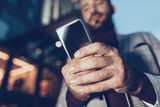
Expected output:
(73, 36)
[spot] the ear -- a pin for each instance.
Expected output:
(114, 9)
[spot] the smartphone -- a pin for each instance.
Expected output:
(73, 36)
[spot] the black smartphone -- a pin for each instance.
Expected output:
(73, 36)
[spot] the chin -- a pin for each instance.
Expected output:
(94, 27)
(98, 26)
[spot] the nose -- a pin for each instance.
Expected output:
(93, 9)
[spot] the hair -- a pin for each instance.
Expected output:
(109, 1)
(110, 5)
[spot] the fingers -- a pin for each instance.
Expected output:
(101, 86)
(92, 88)
(89, 63)
(92, 77)
(95, 68)
(92, 49)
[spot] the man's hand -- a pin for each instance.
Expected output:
(97, 68)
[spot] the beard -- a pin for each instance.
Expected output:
(105, 33)
(107, 23)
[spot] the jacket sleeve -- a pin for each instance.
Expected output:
(144, 55)
(72, 101)
(147, 90)
(155, 80)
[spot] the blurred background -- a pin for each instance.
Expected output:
(31, 55)
(137, 16)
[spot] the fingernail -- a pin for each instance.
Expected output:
(71, 69)
(81, 90)
(77, 54)
(73, 82)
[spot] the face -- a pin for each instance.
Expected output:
(94, 12)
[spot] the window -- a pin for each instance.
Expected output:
(46, 12)
(22, 76)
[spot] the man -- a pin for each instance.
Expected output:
(110, 72)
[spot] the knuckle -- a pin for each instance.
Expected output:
(106, 87)
(108, 47)
(102, 61)
(118, 59)
(88, 89)
(63, 70)
(81, 79)
(77, 63)
(100, 88)
(103, 88)
(119, 81)
(68, 83)
(108, 59)
(75, 88)
(93, 62)
(67, 80)
(114, 50)
(104, 75)
(96, 76)
(98, 45)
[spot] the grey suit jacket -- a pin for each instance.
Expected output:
(142, 51)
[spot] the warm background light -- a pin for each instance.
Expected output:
(4, 56)
(25, 71)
